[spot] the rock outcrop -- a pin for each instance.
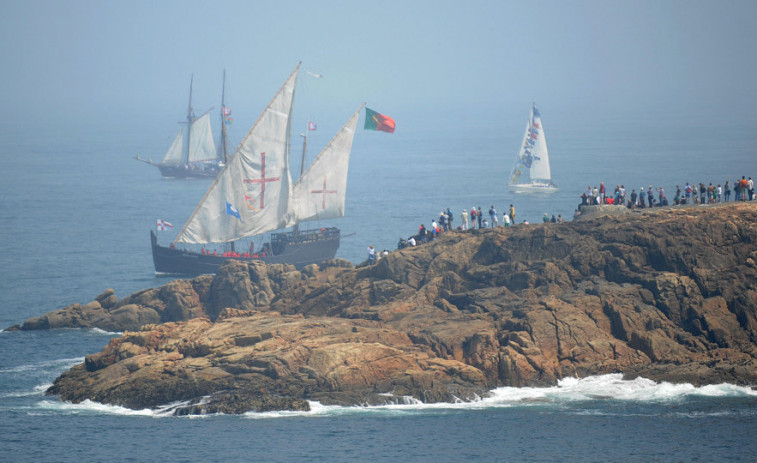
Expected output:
(237, 285)
(670, 294)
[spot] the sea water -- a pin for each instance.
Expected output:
(75, 216)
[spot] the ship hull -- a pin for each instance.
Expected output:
(299, 249)
(534, 188)
(186, 171)
(194, 170)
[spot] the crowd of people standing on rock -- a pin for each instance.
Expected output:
(690, 193)
(469, 220)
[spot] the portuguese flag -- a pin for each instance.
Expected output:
(377, 121)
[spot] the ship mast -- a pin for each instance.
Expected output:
(190, 119)
(224, 145)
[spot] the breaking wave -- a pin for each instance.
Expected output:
(593, 389)
(586, 392)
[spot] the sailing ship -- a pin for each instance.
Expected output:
(532, 172)
(254, 195)
(193, 154)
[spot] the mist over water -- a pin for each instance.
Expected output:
(633, 93)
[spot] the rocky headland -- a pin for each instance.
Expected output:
(668, 294)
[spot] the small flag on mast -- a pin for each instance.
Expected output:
(312, 126)
(163, 225)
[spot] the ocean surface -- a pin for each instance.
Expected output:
(75, 216)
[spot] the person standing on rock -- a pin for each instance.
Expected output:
(505, 219)
(473, 217)
(493, 215)
(371, 255)
(464, 216)
(479, 216)
(727, 190)
(650, 196)
(750, 188)
(450, 217)
(512, 213)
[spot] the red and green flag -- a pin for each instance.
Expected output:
(377, 121)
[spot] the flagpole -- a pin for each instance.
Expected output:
(224, 148)
(304, 149)
(296, 229)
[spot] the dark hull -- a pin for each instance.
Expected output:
(189, 171)
(298, 249)
(193, 170)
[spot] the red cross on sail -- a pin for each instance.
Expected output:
(262, 180)
(323, 193)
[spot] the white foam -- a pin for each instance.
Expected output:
(593, 388)
(90, 407)
(569, 390)
(102, 331)
(613, 386)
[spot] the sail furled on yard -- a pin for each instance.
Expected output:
(174, 154)
(250, 196)
(320, 192)
(201, 145)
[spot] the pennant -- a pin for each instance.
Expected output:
(377, 121)
(226, 111)
(163, 225)
(312, 126)
(231, 210)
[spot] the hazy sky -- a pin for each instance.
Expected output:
(110, 59)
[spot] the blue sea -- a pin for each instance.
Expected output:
(75, 214)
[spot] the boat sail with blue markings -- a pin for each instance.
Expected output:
(532, 172)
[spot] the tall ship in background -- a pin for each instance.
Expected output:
(531, 172)
(254, 195)
(193, 153)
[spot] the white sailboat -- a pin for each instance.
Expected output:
(531, 172)
(254, 195)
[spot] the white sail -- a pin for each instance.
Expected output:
(201, 145)
(320, 192)
(250, 196)
(532, 170)
(522, 169)
(173, 155)
(540, 164)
